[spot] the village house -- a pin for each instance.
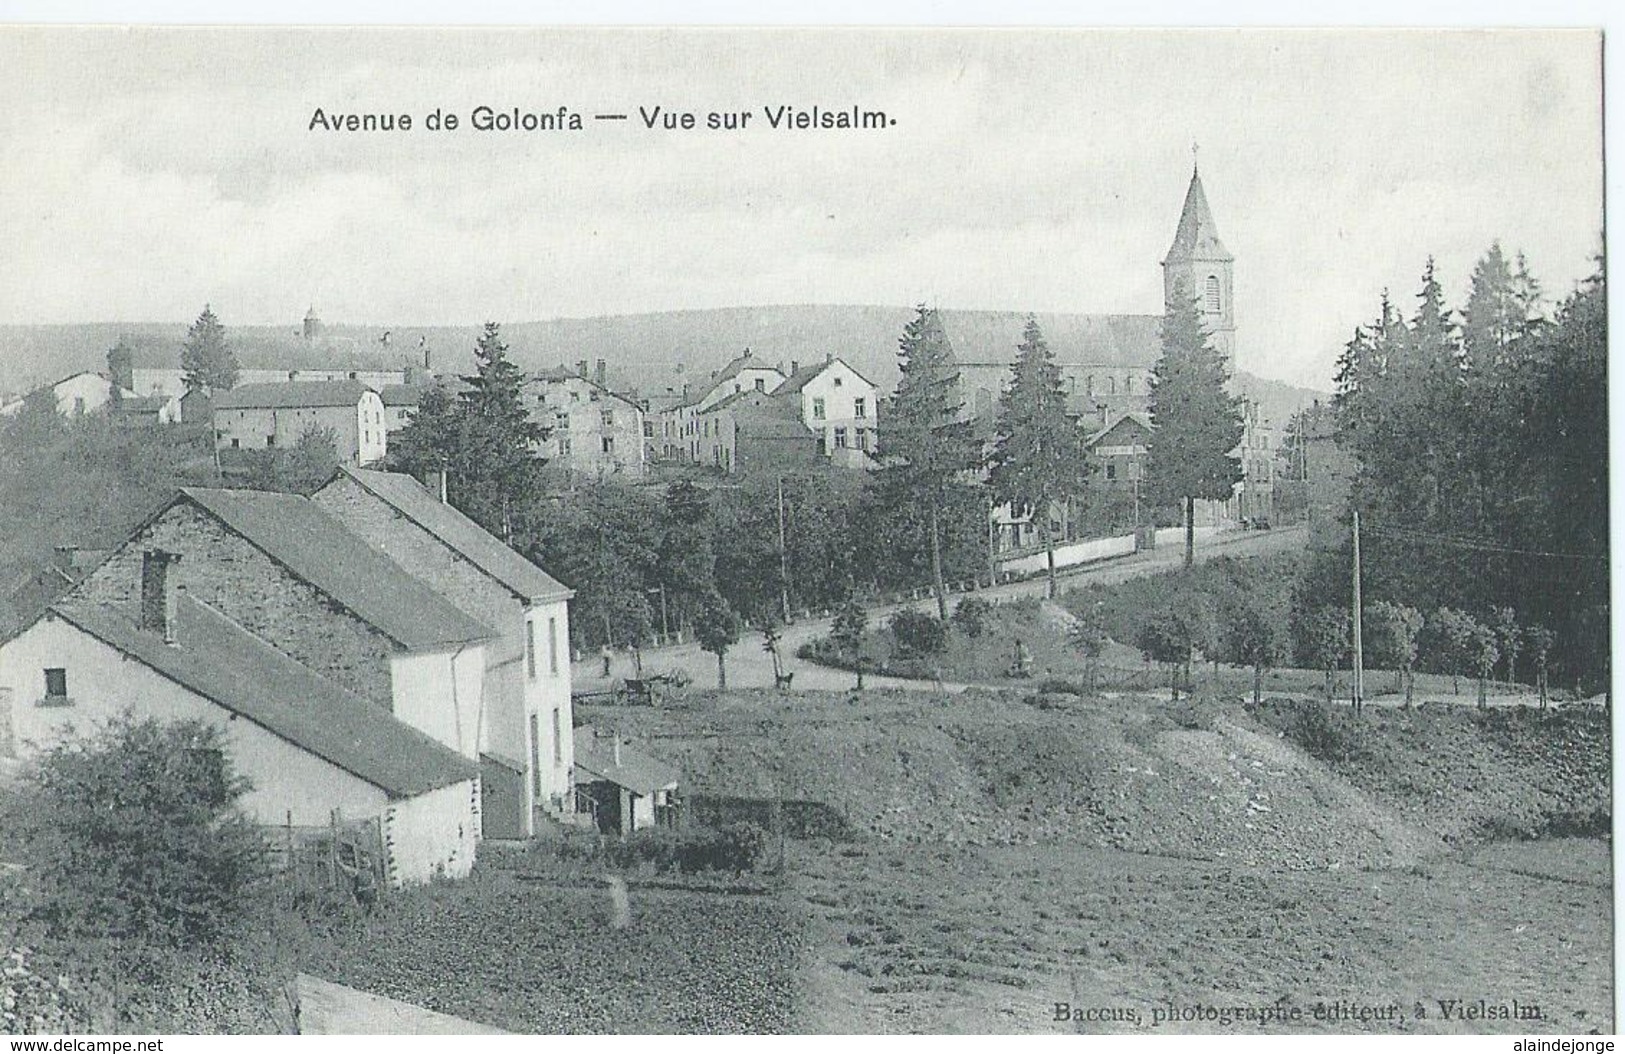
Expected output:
(277, 416)
(752, 433)
(679, 426)
(400, 403)
(73, 396)
(526, 749)
(295, 577)
(147, 409)
(315, 753)
(593, 431)
(838, 405)
(621, 788)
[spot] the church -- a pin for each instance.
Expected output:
(1106, 360)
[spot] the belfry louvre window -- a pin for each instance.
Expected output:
(1212, 306)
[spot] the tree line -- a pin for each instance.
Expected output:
(699, 557)
(1482, 483)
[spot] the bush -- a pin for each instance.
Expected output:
(735, 847)
(918, 633)
(971, 615)
(134, 833)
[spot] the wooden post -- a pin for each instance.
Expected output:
(1359, 652)
(784, 559)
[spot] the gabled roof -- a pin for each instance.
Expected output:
(559, 374)
(401, 394)
(482, 549)
(806, 374)
(637, 772)
(320, 550)
(1131, 416)
(1197, 236)
(288, 395)
(738, 364)
(223, 662)
(144, 404)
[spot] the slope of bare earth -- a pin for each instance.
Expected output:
(1006, 853)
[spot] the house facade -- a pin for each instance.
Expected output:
(73, 396)
(839, 406)
(592, 430)
(525, 745)
(316, 752)
(754, 433)
(267, 416)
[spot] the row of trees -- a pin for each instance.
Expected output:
(814, 539)
(1482, 442)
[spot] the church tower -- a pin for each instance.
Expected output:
(1199, 263)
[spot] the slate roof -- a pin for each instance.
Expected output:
(320, 550)
(223, 662)
(144, 404)
(805, 375)
(1197, 235)
(1136, 418)
(401, 394)
(290, 395)
(637, 772)
(740, 363)
(482, 549)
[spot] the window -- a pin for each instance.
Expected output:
(609, 444)
(56, 686)
(1212, 306)
(530, 649)
(558, 740)
(840, 439)
(818, 409)
(270, 440)
(1128, 385)
(609, 418)
(859, 409)
(236, 443)
(1111, 470)
(575, 397)
(761, 384)
(837, 382)
(564, 446)
(553, 645)
(648, 429)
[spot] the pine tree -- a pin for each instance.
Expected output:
(1197, 423)
(1494, 317)
(1038, 457)
(206, 356)
(926, 440)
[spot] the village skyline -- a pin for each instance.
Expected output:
(182, 167)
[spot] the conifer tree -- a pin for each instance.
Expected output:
(1197, 423)
(206, 357)
(1038, 457)
(927, 442)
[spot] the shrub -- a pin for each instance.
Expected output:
(918, 633)
(971, 615)
(134, 833)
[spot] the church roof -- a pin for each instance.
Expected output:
(1197, 236)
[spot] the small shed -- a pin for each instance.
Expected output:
(620, 787)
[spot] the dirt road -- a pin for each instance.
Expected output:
(749, 666)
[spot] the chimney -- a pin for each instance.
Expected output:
(617, 750)
(598, 372)
(795, 367)
(829, 357)
(747, 353)
(687, 391)
(440, 485)
(581, 367)
(158, 593)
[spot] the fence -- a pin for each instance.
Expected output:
(345, 857)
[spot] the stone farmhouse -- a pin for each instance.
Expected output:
(343, 644)
(267, 416)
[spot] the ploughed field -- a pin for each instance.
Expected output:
(983, 857)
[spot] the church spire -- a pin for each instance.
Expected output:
(1198, 235)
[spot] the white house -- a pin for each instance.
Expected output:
(838, 404)
(73, 396)
(525, 746)
(266, 416)
(314, 752)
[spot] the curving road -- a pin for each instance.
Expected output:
(750, 667)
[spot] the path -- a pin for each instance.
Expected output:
(328, 1009)
(750, 667)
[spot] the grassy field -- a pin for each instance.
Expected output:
(543, 957)
(989, 939)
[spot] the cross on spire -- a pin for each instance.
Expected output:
(1195, 149)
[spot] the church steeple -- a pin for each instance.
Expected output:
(1198, 267)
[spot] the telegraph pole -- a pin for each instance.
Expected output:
(1359, 656)
(784, 559)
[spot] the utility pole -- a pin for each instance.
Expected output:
(992, 547)
(1359, 656)
(784, 559)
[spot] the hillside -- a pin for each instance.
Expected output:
(647, 352)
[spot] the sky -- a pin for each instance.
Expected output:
(144, 172)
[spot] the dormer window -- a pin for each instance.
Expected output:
(1213, 305)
